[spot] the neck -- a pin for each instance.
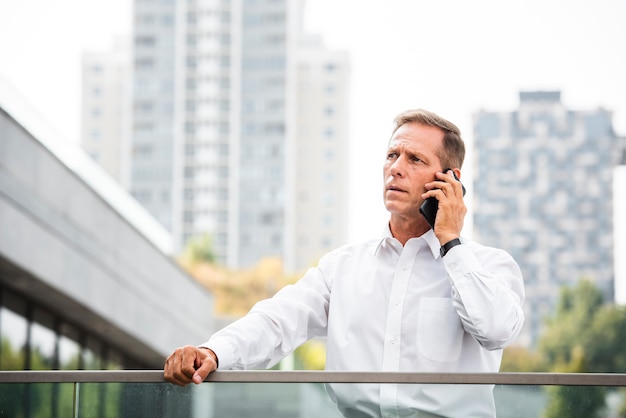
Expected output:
(404, 229)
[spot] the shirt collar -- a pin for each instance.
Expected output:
(429, 237)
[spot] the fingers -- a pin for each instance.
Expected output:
(447, 183)
(451, 213)
(205, 367)
(188, 364)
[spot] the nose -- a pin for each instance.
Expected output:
(397, 167)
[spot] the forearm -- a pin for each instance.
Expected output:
(488, 296)
(274, 327)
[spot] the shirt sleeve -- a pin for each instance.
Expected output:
(275, 327)
(487, 293)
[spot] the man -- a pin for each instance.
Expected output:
(418, 299)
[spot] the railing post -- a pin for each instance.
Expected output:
(76, 399)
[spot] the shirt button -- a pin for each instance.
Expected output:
(404, 267)
(393, 341)
(396, 301)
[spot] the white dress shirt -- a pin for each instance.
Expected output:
(388, 307)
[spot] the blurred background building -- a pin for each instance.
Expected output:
(219, 119)
(106, 109)
(543, 191)
(86, 279)
(619, 248)
(237, 119)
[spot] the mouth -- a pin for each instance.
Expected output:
(394, 188)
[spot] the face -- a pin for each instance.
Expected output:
(412, 161)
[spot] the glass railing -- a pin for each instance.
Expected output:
(287, 394)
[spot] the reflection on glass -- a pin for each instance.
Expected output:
(69, 354)
(91, 355)
(276, 400)
(13, 337)
(42, 343)
(115, 360)
(40, 400)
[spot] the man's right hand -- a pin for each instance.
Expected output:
(189, 364)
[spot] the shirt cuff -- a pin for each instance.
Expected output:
(460, 261)
(224, 351)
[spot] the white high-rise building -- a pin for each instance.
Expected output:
(222, 108)
(320, 168)
(106, 113)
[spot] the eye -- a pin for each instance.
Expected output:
(391, 155)
(416, 159)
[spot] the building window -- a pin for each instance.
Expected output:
(145, 41)
(69, 349)
(35, 339)
(276, 240)
(144, 63)
(13, 333)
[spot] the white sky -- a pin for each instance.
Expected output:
(453, 57)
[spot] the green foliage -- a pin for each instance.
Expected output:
(584, 336)
(236, 291)
(519, 359)
(200, 249)
(575, 402)
(605, 340)
(311, 355)
(38, 400)
(574, 315)
(585, 330)
(622, 410)
(10, 359)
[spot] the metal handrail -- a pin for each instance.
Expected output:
(308, 376)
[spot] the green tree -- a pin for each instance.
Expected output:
(575, 401)
(574, 315)
(200, 249)
(605, 340)
(584, 326)
(585, 335)
(520, 359)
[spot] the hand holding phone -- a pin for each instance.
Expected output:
(429, 208)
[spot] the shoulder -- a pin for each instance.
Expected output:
(348, 254)
(363, 247)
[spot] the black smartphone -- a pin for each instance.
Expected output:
(430, 205)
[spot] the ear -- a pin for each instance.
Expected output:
(457, 173)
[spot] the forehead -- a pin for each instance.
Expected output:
(415, 134)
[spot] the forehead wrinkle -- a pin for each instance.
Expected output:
(406, 146)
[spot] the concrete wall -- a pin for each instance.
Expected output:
(67, 248)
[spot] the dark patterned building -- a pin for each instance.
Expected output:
(543, 192)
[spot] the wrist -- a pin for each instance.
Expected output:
(447, 237)
(447, 246)
(212, 355)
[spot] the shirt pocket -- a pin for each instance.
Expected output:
(439, 330)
